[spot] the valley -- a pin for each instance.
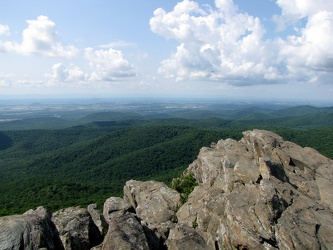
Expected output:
(77, 153)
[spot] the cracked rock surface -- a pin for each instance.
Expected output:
(261, 193)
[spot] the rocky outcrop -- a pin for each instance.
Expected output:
(153, 201)
(125, 232)
(31, 230)
(260, 192)
(156, 205)
(76, 228)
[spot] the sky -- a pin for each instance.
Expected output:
(258, 49)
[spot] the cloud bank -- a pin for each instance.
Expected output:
(222, 44)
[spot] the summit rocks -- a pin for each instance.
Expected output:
(260, 192)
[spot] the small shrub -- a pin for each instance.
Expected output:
(174, 219)
(184, 185)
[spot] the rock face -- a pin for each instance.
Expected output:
(32, 230)
(76, 228)
(125, 232)
(98, 218)
(261, 193)
(153, 201)
(156, 205)
(257, 193)
(185, 237)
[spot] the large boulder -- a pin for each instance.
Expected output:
(115, 205)
(125, 232)
(261, 193)
(31, 230)
(156, 205)
(76, 228)
(154, 202)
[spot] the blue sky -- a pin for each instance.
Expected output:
(259, 49)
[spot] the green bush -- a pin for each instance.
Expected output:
(184, 185)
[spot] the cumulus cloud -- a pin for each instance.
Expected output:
(104, 66)
(313, 48)
(214, 44)
(60, 73)
(294, 10)
(108, 65)
(40, 38)
(4, 30)
(308, 54)
(220, 43)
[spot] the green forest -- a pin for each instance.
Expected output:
(89, 162)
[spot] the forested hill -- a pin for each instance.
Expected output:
(91, 161)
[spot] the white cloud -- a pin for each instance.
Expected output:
(5, 80)
(108, 65)
(29, 84)
(313, 48)
(308, 54)
(4, 30)
(104, 66)
(116, 45)
(294, 10)
(223, 44)
(40, 38)
(220, 44)
(70, 74)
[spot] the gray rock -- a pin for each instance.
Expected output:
(125, 232)
(98, 218)
(76, 228)
(113, 205)
(305, 225)
(261, 193)
(184, 237)
(32, 230)
(154, 202)
(156, 205)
